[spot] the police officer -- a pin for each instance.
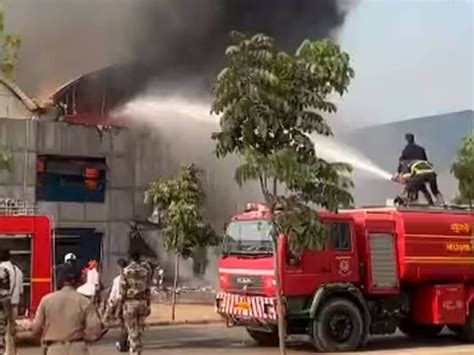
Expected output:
(67, 321)
(115, 308)
(135, 295)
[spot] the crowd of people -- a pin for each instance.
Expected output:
(69, 319)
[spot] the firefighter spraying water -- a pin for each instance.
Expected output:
(415, 172)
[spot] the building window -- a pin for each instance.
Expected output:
(70, 179)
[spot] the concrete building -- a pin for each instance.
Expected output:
(92, 214)
(17, 135)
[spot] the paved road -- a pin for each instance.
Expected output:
(216, 339)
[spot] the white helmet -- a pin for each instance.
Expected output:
(69, 257)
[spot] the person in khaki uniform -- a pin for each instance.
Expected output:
(67, 321)
(135, 295)
(115, 310)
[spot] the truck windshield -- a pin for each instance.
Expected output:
(249, 237)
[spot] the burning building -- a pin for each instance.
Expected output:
(93, 170)
(89, 173)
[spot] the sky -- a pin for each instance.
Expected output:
(412, 58)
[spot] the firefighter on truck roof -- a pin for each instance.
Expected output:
(415, 172)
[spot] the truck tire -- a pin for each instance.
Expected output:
(467, 333)
(339, 326)
(267, 339)
(415, 330)
(456, 329)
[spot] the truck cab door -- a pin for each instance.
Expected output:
(344, 258)
(311, 271)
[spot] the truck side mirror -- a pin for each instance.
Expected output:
(292, 259)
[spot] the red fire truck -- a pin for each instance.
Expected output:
(29, 238)
(382, 269)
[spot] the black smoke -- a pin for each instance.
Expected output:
(196, 44)
(148, 40)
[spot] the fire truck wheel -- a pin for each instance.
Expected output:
(456, 329)
(264, 338)
(419, 330)
(467, 333)
(339, 326)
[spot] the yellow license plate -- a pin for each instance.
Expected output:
(243, 306)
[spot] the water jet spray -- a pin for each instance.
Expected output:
(333, 151)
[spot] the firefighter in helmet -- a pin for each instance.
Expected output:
(415, 175)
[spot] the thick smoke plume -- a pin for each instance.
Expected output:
(165, 39)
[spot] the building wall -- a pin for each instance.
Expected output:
(10, 106)
(14, 134)
(110, 218)
(134, 158)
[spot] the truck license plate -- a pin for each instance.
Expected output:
(243, 306)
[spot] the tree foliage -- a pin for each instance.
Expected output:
(180, 203)
(5, 159)
(271, 103)
(11, 45)
(463, 170)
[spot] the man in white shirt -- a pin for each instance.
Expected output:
(16, 280)
(114, 307)
(92, 281)
(16, 292)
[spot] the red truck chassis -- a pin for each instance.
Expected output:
(382, 269)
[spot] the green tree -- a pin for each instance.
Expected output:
(8, 61)
(5, 159)
(185, 229)
(463, 170)
(271, 105)
(11, 45)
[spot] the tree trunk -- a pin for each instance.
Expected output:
(279, 297)
(175, 286)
